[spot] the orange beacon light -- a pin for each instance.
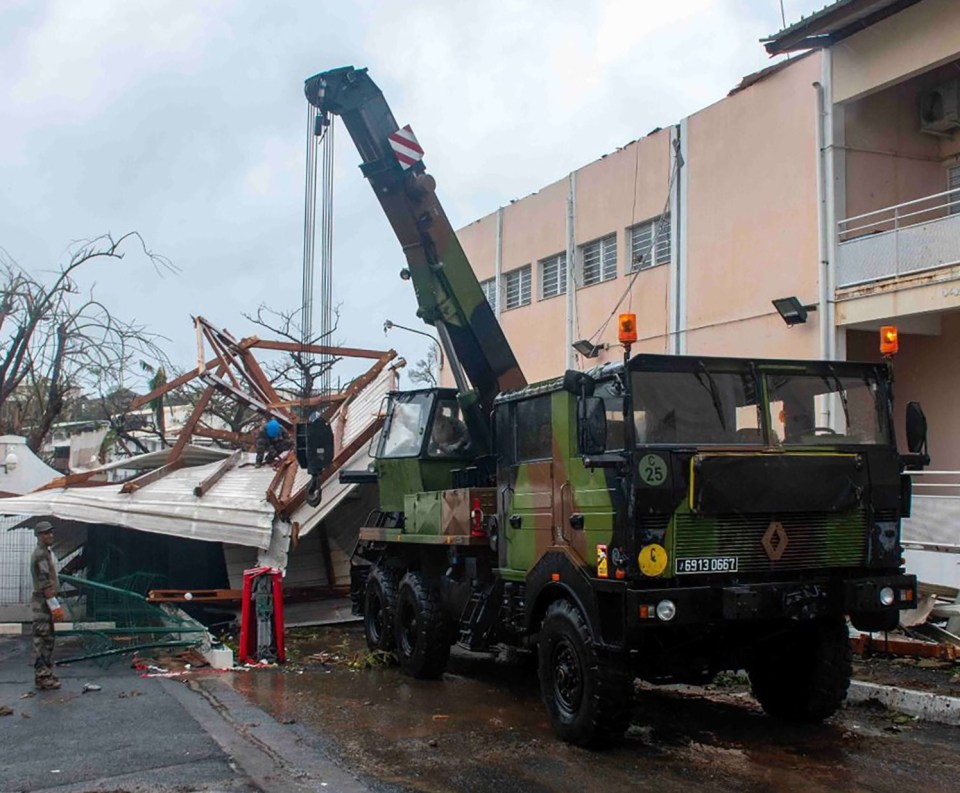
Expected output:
(628, 328)
(889, 341)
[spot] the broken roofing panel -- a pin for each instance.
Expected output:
(237, 507)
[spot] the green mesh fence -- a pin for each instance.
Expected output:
(112, 621)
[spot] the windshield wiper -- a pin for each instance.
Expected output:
(711, 386)
(841, 392)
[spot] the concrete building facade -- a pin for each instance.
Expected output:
(833, 176)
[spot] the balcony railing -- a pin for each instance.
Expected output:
(934, 522)
(908, 238)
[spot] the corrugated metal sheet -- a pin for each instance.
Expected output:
(234, 511)
(191, 455)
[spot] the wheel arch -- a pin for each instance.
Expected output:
(555, 577)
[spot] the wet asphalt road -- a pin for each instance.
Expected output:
(483, 728)
(144, 735)
(318, 725)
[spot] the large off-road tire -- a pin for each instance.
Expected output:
(588, 693)
(804, 676)
(422, 636)
(379, 607)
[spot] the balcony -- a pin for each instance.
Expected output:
(909, 238)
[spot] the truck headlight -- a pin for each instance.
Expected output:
(666, 610)
(887, 596)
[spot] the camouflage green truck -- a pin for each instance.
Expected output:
(664, 517)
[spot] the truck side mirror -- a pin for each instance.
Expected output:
(916, 429)
(578, 383)
(591, 425)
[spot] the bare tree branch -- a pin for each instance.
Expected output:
(55, 345)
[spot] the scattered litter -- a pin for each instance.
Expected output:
(90, 687)
(432, 742)
(28, 695)
(125, 694)
(6, 710)
(440, 717)
(54, 770)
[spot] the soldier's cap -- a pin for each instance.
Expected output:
(42, 527)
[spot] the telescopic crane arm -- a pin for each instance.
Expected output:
(448, 293)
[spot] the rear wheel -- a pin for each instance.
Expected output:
(421, 634)
(379, 606)
(587, 693)
(804, 676)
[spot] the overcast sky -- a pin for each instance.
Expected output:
(185, 121)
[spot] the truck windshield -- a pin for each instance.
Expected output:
(825, 408)
(702, 402)
(406, 425)
(701, 406)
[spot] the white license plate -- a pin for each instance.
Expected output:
(706, 564)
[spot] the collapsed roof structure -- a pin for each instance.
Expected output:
(201, 493)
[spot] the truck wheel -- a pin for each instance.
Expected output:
(587, 693)
(420, 630)
(804, 676)
(379, 606)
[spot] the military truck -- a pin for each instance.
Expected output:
(663, 517)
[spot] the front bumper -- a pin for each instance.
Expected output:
(767, 601)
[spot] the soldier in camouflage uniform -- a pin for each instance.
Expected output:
(46, 607)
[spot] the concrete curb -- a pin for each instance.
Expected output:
(922, 704)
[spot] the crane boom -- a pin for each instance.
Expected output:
(448, 294)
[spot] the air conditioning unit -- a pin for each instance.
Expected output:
(940, 109)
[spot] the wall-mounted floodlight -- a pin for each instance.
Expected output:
(792, 311)
(9, 462)
(587, 348)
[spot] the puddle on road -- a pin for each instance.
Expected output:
(482, 727)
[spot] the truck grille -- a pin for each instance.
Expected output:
(813, 540)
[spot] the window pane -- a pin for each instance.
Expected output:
(489, 288)
(404, 431)
(698, 407)
(640, 238)
(534, 431)
(517, 288)
(449, 436)
(553, 276)
(798, 403)
(609, 245)
(663, 242)
(644, 250)
(599, 260)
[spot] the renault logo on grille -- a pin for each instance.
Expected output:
(775, 540)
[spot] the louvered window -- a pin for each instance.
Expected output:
(599, 260)
(644, 250)
(516, 288)
(553, 276)
(489, 288)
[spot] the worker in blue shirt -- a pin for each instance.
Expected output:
(272, 441)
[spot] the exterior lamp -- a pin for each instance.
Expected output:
(889, 341)
(587, 348)
(792, 311)
(390, 324)
(627, 328)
